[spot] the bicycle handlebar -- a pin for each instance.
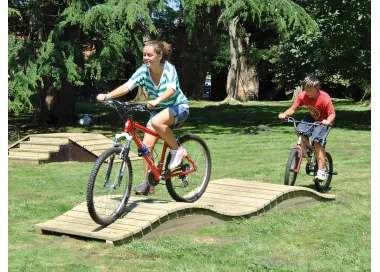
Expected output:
(292, 120)
(127, 106)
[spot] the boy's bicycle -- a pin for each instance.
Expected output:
(303, 149)
(110, 181)
(13, 134)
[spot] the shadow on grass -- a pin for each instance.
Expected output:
(207, 118)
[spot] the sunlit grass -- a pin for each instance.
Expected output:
(246, 142)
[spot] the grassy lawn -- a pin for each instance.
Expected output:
(246, 142)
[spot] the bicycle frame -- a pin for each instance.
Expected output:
(301, 145)
(130, 129)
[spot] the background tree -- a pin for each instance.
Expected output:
(243, 81)
(340, 54)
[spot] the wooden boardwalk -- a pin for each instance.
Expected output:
(147, 218)
(56, 147)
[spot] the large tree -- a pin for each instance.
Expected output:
(340, 54)
(243, 81)
(56, 48)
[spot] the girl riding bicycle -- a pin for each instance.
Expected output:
(320, 109)
(170, 105)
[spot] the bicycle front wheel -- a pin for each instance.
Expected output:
(13, 134)
(109, 187)
(291, 167)
(189, 188)
(324, 186)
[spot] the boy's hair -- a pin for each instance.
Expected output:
(161, 46)
(311, 81)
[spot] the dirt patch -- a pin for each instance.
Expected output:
(204, 239)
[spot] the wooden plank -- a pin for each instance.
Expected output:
(254, 186)
(258, 190)
(240, 199)
(211, 202)
(147, 218)
(85, 136)
(89, 142)
(252, 193)
(248, 182)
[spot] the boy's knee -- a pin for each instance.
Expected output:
(318, 145)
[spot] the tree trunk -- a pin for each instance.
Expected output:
(242, 81)
(233, 73)
(141, 95)
(56, 106)
(296, 92)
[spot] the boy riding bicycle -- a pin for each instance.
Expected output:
(320, 109)
(170, 105)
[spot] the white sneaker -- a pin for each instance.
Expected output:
(142, 188)
(321, 175)
(176, 157)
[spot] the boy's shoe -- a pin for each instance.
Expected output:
(321, 176)
(143, 189)
(176, 157)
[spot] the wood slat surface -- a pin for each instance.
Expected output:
(147, 218)
(93, 143)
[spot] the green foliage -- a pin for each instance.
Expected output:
(340, 53)
(23, 77)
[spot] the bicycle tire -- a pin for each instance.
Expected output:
(197, 181)
(13, 134)
(324, 186)
(106, 199)
(291, 166)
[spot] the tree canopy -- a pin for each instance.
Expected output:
(59, 50)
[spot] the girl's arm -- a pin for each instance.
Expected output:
(119, 91)
(165, 95)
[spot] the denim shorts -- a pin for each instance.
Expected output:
(317, 133)
(180, 113)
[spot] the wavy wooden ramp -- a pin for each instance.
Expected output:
(146, 218)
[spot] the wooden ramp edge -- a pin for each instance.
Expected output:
(147, 218)
(70, 147)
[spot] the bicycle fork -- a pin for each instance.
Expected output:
(123, 155)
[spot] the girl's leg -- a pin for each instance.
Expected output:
(161, 123)
(150, 141)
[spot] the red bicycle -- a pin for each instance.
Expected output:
(303, 149)
(110, 181)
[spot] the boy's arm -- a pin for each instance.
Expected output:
(331, 114)
(330, 119)
(288, 112)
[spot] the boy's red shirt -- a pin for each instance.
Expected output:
(319, 108)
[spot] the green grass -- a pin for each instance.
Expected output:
(246, 142)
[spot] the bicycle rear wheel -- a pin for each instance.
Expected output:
(189, 188)
(109, 187)
(324, 186)
(291, 166)
(13, 134)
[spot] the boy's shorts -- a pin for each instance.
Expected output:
(180, 113)
(317, 133)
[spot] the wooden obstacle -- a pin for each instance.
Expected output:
(57, 147)
(146, 218)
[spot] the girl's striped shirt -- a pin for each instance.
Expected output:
(169, 79)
